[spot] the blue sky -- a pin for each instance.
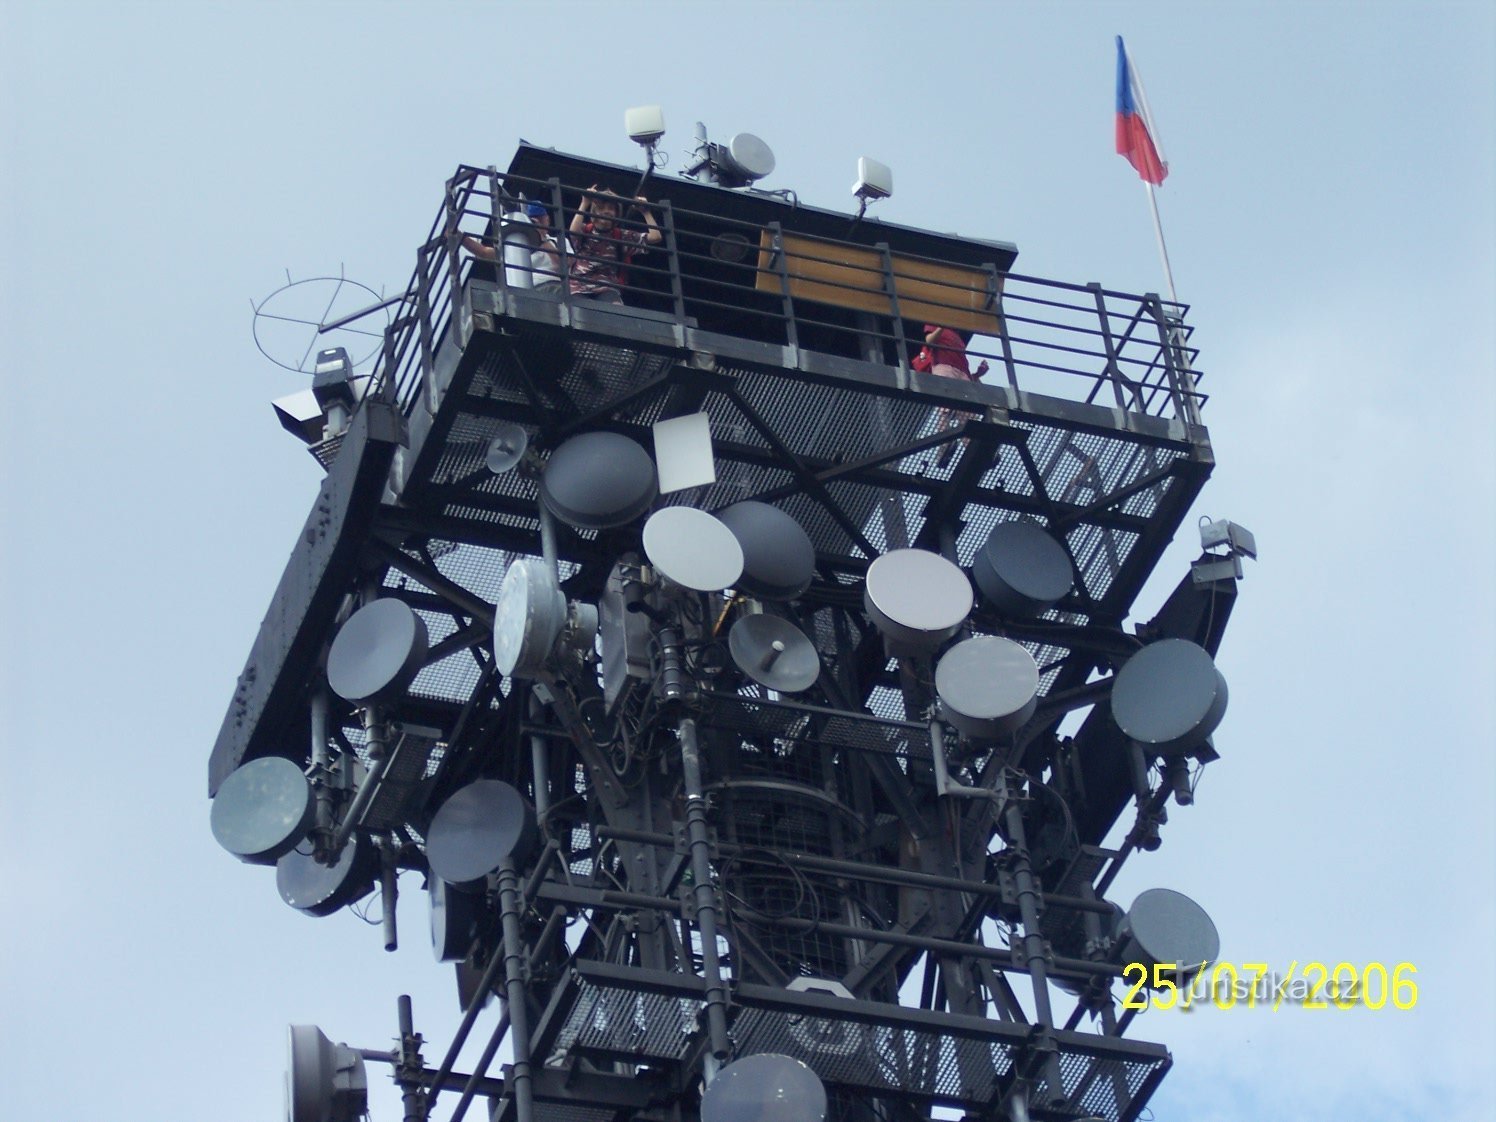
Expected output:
(1330, 218)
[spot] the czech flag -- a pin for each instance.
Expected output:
(1136, 136)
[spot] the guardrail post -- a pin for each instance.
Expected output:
(781, 267)
(1113, 372)
(423, 322)
(891, 286)
(677, 294)
(451, 240)
(1176, 362)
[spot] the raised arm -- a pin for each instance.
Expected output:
(654, 235)
(478, 249)
(579, 219)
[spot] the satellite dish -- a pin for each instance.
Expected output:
(917, 598)
(528, 619)
(476, 830)
(988, 687)
(454, 920)
(778, 557)
(507, 448)
(325, 1082)
(378, 652)
(1022, 571)
(263, 810)
(319, 890)
(693, 548)
(748, 157)
(766, 1087)
(774, 653)
(1169, 696)
(598, 480)
(1164, 926)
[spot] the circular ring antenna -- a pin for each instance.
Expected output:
(917, 598)
(263, 810)
(988, 686)
(1164, 926)
(377, 653)
(774, 653)
(325, 1082)
(1169, 696)
(765, 1088)
(778, 557)
(528, 619)
(749, 156)
(598, 480)
(507, 448)
(288, 323)
(454, 920)
(476, 830)
(319, 890)
(693, 548)
(1022, 571)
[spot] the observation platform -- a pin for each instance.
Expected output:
(794, 329)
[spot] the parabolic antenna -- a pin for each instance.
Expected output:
(476, 830)
(1169, 696)
(917, 598)
(309, 886)
(1022, 571)
(1165, 926)
(774, 653)
(598, 480)
(263, 810)
(506, 448)
(528, 619)
(987, 686)
(377, 653)
(325, 1082)
(778, 557)
(693, 548)
(454, 920)
(765, 1088)
(749, 157)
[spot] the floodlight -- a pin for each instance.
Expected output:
(645, 124)
(301, 415)
(874, 180)
(1238, 539)
(325, 1082)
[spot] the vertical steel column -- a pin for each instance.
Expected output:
(677, 293)
(1035, 960)
(705, 892)
(410, 1067)
(1113, 370)
(515, 997)
(778, 259)
(423, 323)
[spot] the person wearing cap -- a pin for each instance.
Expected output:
(545, 258)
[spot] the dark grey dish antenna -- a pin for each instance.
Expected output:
(988, 686)
(779, 560)
(263, 810)
(774, 653)
(693, 549)
(1022, 570)
(476, 830)
(765, 1087)
(917, 598)
(317, 889)
(325, 1082)
(598, 480)
(454, 919)
(1164, 926)
(377, 653)
(1169, 696)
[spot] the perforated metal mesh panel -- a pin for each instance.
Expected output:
(616, 1022)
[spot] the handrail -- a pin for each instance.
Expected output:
(1056, 338)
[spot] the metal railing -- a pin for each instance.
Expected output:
(1073, 341)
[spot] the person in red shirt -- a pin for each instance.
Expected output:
(944, 354)
(601, 250)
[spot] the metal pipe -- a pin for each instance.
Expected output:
(389, 889)
(411, 1067)
(548, 548)
(452, 1081)
(321, 763)
(378, 761)
(705, 893)
(515, 995)
(538, 761)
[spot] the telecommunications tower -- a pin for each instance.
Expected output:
(755, 700)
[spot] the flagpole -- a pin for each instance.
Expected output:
(1163, 250)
